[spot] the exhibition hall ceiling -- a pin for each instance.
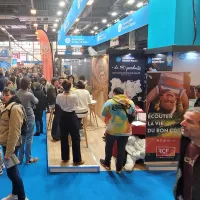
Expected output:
(18, 23)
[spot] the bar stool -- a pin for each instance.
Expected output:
(50, 121)
(92, 111)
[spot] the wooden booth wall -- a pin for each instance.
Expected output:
(99, 81)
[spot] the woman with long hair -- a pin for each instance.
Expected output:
(68, 103)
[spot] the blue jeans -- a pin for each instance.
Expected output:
(26, 146)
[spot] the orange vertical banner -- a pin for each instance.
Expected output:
(46, 54)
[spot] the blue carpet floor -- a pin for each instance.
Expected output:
(40, 185)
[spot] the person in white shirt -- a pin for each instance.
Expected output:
(68, 103)
(84, 98)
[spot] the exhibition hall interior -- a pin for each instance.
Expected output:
(94, 99)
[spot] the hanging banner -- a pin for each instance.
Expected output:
(5, 57)
(160, 62)
(127, 72)
(75, 10)
(167, 101)
(133, 21)
(46, 54)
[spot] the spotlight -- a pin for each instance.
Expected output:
(77, 20)
(54, 30)
(130, 1)
(140, 4)
(104, 21)
(57, 20)
(33, 11)
(59, 13)
(62, 4)
(35, 25)
(92, 31)
(55, 25)
(114, 14)
(96, 27)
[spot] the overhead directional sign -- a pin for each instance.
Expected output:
(75, 11)
(130, 23)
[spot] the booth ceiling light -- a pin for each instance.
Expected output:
(54, 30)
(90, 2)
(59, 13)
(108, 25)
(96, 27)
(140, 4)
(92, 31)
(35, 25)
(33, 11)
(55, 25)
(62, 4)
(57, 20)
(130, 1)
(77, 19)
(104, 21)
(114, 14)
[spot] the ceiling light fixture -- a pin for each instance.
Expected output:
(96, 33)
(57, 20)
(54, 30)
(92, 31)
(114, 14)
(59, 13)
(62, 4)
(3, 29)
(104, 21)
(90, 2)
(96, 27)
(35, 25)
(140, 4)
(76, 30)
(33, 11)
(55, 25)
(130, 1)
(77, 20)
(108, 25)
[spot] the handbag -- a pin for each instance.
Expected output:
(131, 117)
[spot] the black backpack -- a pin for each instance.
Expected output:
(25, 123)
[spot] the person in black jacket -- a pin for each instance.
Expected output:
(40, 107)
(52, 92)
(188, 175)
(197, 93)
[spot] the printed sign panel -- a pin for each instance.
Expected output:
(166, 102)
(127, 72)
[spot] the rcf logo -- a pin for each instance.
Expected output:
(165, 151)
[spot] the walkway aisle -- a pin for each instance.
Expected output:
(39, 185)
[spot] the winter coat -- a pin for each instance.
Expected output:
(178, 189)
(135, 148)
(51, 95)
(42, 104)
(10, 127)
(117, 121)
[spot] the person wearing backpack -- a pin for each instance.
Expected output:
(11, 122)
(119, 112)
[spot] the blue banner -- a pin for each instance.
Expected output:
(128, 24)
(75, 10)
(78, 40)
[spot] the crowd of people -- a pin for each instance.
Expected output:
(26, 96)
